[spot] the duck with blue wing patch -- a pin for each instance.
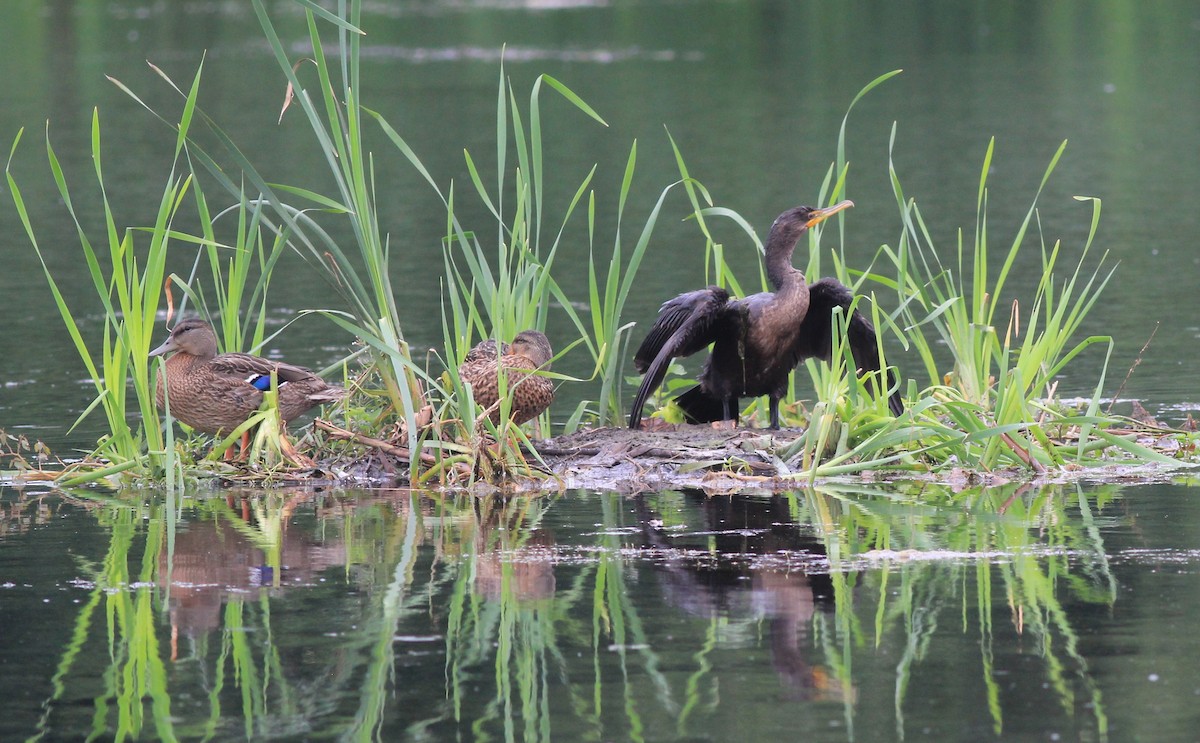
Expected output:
(215, 394)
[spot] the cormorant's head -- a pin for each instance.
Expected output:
(799, 218)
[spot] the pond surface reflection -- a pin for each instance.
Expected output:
(842, 613)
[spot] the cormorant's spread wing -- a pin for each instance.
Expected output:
(684, 326)
(816, 338)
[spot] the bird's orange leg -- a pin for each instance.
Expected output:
(245, 447)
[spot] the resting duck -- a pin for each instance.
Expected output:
(215, 393)
(530, 393)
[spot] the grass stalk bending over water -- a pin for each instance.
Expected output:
(128, 283)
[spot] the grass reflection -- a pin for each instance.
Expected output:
(403, 614)
(899, 564)
(503, 602)
(1015, 544)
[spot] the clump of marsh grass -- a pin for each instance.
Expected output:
(489, 294)
(996, 406)
(128, 281)
(496, 290)
(360, 275)
(997, 402)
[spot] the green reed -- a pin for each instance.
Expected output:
(999, 397)
(128, 279)
(240, 271)
(497, 290)
(336, 116)
(337, 119)
(491, 292)
(129, 282)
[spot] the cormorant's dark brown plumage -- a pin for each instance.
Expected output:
(758, 340)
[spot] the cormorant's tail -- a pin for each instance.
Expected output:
(684, 326)
(700, 407)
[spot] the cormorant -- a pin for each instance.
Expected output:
(758, 340)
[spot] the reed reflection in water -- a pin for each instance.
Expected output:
(401, 614)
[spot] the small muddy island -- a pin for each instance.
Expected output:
(721, 460)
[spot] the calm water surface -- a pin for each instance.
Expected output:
(1061, 613)
(836, 614)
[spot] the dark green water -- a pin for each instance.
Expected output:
(1061, 615)
(847, 613)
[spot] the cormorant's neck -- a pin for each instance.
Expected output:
(778, 259)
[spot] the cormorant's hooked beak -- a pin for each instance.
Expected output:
(820, 215)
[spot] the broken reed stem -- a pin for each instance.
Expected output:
(399, 452)
(1137, 360)
(1025, 456)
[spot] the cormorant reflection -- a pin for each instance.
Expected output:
(764, 566)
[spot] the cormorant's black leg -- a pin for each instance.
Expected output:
(774, 412)
(729, 409)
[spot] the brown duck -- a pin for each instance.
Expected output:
(757, 340)
(215, 393)
(530, 393)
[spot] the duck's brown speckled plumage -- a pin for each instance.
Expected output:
(531, 393)
(214, 393)
(484, 350)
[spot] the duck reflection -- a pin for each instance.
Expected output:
(226, 551)
(768, 569)
(509, 540)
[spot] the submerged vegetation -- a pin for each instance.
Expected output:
(996, 406)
